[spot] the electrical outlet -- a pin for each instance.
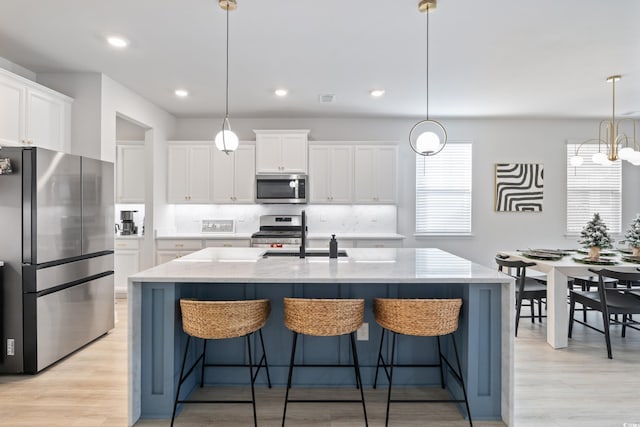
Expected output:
(323, 218)
(11, 347)
(362, 334)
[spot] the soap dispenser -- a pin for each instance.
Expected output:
(333, 247)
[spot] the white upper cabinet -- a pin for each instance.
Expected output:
(189, 168)
(33, 115)
(130, 178)
(375, 174)
(234, 175)
(331, 173)
(281, 151)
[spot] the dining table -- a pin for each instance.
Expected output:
(558, 270)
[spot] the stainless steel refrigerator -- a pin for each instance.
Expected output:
(56, 241)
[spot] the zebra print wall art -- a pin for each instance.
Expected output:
(519, 187)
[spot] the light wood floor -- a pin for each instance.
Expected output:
(577, 386)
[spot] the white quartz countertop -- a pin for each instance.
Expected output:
(356, 236)
(379, 265)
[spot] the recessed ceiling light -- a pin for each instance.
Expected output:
(377, 93)
(281, 92)
(117, 42)
(181, 93)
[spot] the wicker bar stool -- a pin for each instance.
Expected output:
(324, 318)
(214, 320)
(423, 318)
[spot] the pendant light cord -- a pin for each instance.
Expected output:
(428, 13)
(226, 108)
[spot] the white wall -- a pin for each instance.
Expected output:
(494, 141)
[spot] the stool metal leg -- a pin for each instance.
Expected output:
(264, 356)
(204, 361)
(391, 362)
(356, 364)
(375, 379)
(251, 379)
(440, 364)
(293, 355)
(184, 361)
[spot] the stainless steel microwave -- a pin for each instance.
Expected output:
(281, 188)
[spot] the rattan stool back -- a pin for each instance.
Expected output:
(323, 317)
(418, 317)
(223, 319)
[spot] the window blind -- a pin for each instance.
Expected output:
(443, 191)
(593, 188)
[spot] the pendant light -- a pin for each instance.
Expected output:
(427, 137)
(617, 144)
(227, 141)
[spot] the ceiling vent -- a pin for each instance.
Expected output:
(326, 98)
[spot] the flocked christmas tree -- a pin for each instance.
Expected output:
(632, 236)
(595, 234)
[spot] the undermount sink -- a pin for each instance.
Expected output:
(309, 253)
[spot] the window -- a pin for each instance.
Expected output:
(593, 188)
(443, 191)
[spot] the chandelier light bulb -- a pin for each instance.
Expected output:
(230, 141)
(576, 161)
(625, 153)
(428, 142)
(599, 158)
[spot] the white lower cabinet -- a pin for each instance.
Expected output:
(126, 261)
(167, 250)
(324, 243)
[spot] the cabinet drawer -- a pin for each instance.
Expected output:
(127, 244)
(229, 243)
(179, 245)
(390, 243)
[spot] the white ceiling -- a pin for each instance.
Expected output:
(490, 58)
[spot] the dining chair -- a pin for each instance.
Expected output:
(608, 301)
(527, 288)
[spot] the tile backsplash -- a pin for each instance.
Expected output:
(321, 218)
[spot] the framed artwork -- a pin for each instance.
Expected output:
(519, 187)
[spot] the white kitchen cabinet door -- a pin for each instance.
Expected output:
(130, 175)
(227, 243)
(12, 111)
(125, 263)
(189, 172)
(269, 154)
(294, 153)
(166, 256)
(375, 174)
(330, 174)
(33, 115)
(245, 174)
(281, 151)
(45, 120)
(234, 175)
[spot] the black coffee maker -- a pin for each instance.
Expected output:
(128, 226)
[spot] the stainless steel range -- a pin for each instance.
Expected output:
(278, 231)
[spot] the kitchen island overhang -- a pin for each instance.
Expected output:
(485, 335)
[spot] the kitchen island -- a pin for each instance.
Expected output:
(485, 334)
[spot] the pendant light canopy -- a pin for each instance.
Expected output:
(613, 143)
(226, 140)
(427, 137)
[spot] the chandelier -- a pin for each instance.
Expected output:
(427, 137)
(613, 143)
(227, 141)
